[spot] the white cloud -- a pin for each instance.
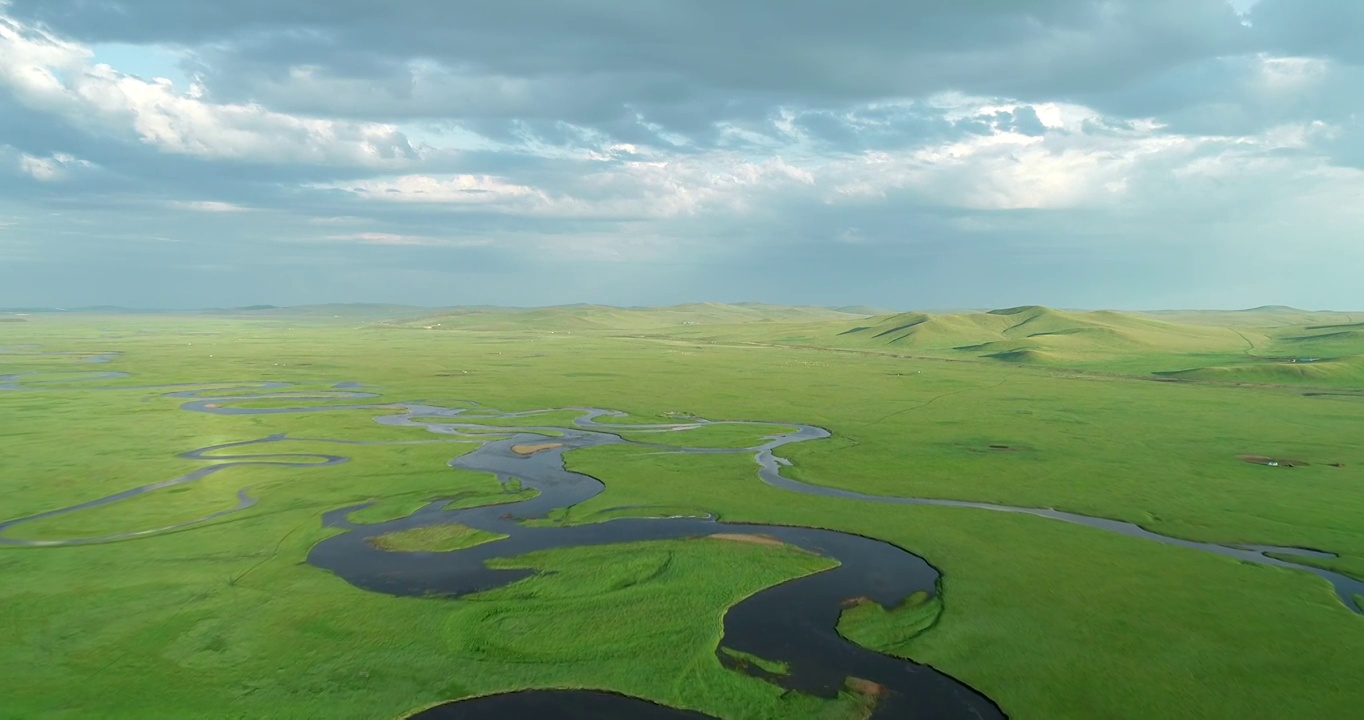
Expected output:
(378, 238)
(682, 185)
(1002, 170)
(336, 220)
(209, 206)
(1279, 73)
(999, 171)
(850, 236)
(56, 76)
(390, 238)
(50, 169)
(480, 190)
(45, 170)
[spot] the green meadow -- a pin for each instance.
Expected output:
(1144, 417)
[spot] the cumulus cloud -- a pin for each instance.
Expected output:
(680, 144)
(50, 169)
(55, 76)
(377, 238)
(209, 206)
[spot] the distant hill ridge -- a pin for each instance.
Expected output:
(1256, 344)
(863, 310)
(1032, 333)
(1250, 346)
(584, 317)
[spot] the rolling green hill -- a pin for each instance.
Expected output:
(1026, 334)
(1268, 344)
(1346, 371)
(1271, 345)
(1033, 332)
(1322, 340)
(1266, 316)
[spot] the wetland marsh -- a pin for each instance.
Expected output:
(887, 565)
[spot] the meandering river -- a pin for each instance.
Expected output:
(792, 623)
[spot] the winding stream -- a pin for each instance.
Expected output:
(793, 622)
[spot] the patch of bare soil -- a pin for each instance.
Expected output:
(755, 539)
(869, 695)
(866, 687)
(528, 450)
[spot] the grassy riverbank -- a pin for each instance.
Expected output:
(1050, 620)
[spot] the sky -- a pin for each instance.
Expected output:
(908, 154)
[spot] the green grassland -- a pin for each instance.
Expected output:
(871, 625)
(434, 538)
(1139, 417)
